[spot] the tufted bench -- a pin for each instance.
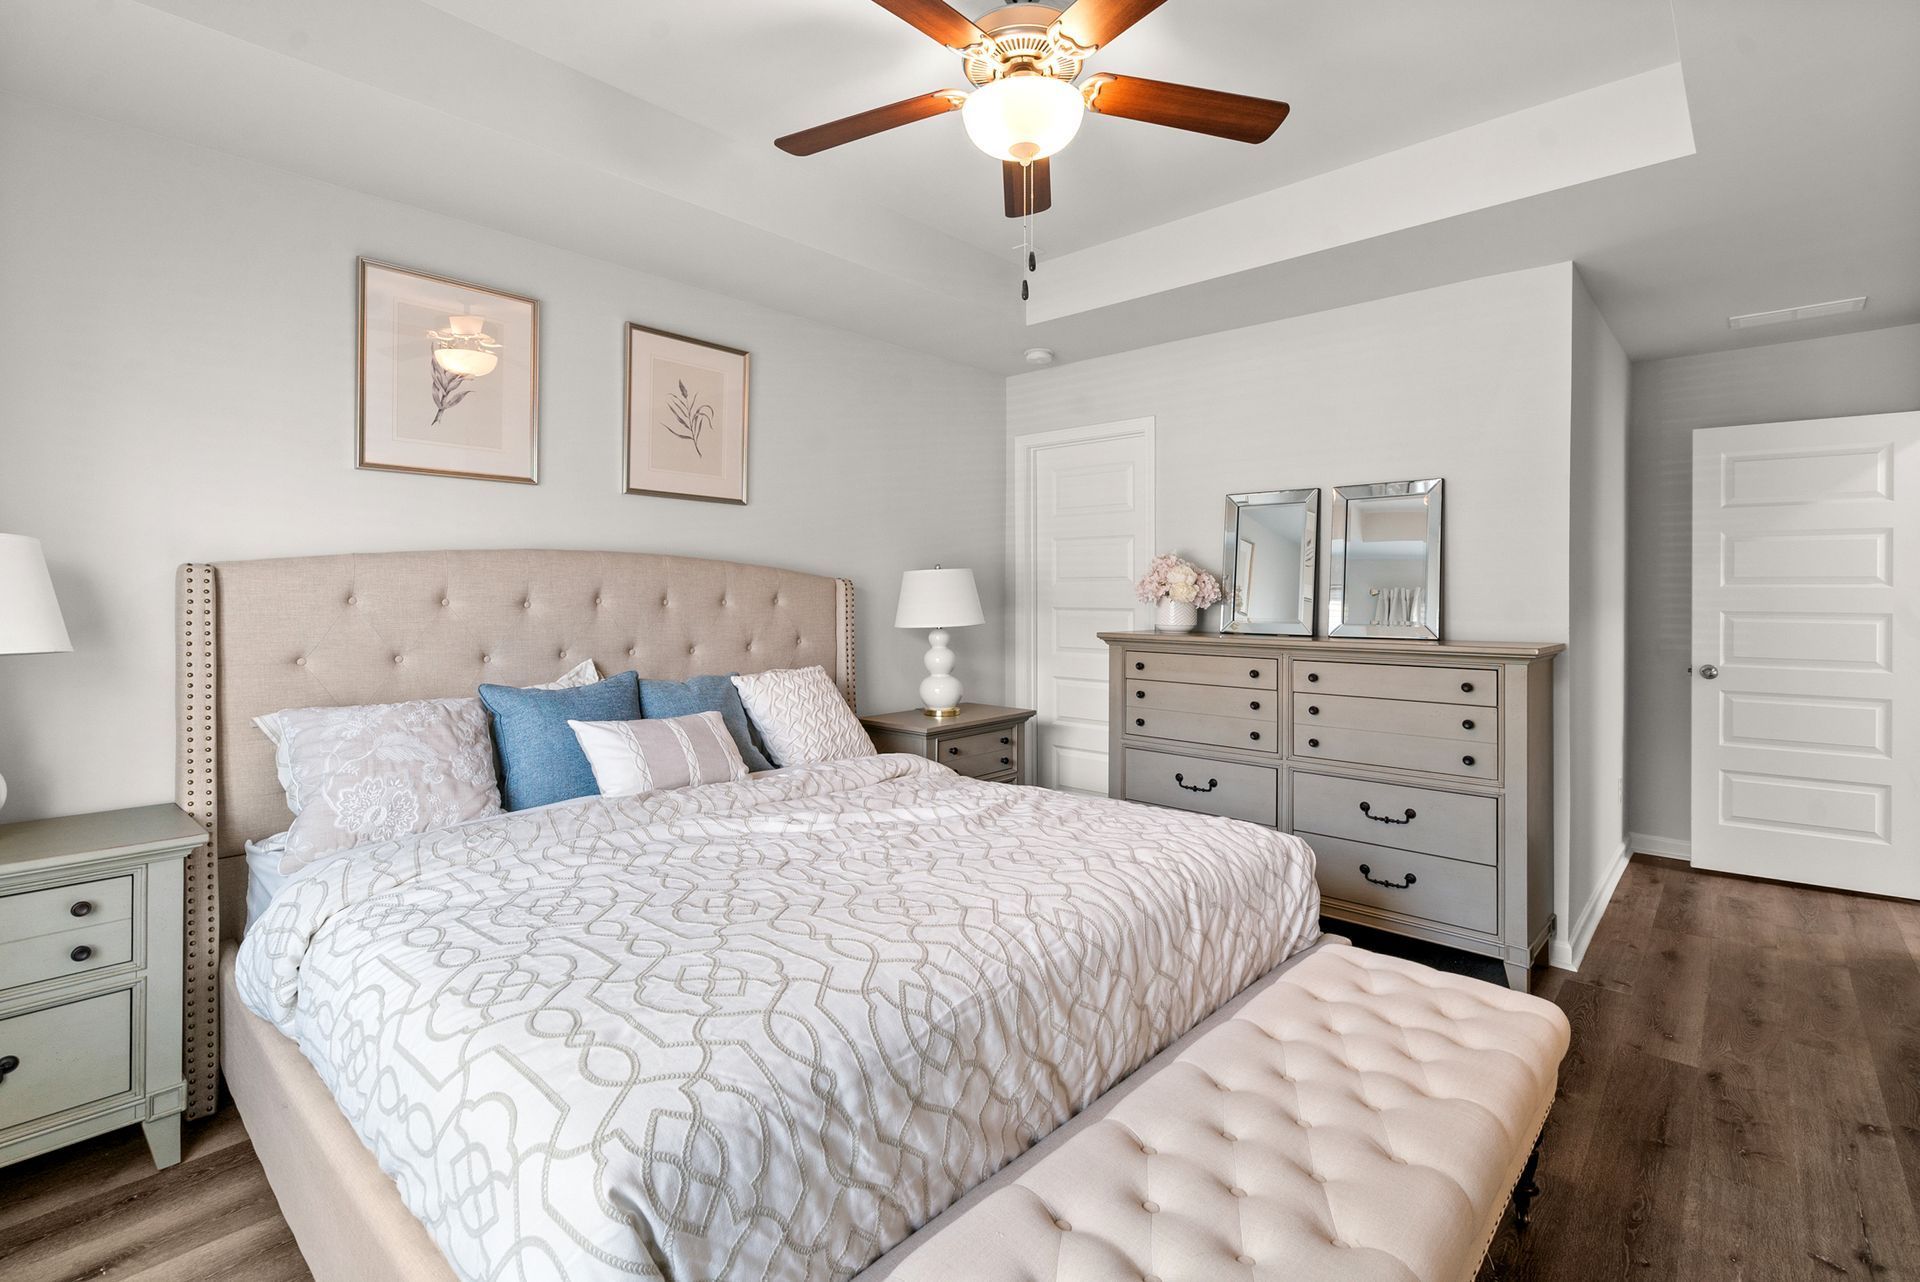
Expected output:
(1357, 1118)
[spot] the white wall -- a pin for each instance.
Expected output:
(176, 383)
(1875, 372)
(1596, 658)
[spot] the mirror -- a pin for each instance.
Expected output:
(1270, 543)
(1386, 561)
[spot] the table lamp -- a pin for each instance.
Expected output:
(938, 599)
(30, 621)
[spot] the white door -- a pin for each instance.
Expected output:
(1806, 680)
(1083, 532)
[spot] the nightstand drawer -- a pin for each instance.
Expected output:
(66, 1056)
(985, 752)
(62, 908)
(70, 952)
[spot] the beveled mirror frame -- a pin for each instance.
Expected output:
(1230, 619)
(1338, 625)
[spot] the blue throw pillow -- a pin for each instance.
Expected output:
(705, 694)
(540, 760)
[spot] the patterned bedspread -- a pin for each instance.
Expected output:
(756, 1030)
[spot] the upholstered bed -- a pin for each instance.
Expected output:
(917, 975)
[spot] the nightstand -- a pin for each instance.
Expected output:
(92, 920)
(981, 740)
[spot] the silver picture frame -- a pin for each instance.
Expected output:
(1385, 572)
(1270, 549)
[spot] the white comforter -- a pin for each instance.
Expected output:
(757, 1030)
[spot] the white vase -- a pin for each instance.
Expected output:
(1175, 616)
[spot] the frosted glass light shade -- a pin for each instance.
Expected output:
(30, 621)
(1023, 118)
(938, 598)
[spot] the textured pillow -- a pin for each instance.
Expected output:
(540, 760)
(704, 694)
(652, 755)
(802, 716)
(358, 775)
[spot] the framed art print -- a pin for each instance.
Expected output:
(449, 377)
(686, 417)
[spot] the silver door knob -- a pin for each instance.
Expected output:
(1708, 671)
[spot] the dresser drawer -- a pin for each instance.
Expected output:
(1465, 722)
(1399, 681)
(1397, 751)
(1211, 701)
(1450, 824)
(1253, 734)
(1445, 891)
(1204, 669)
(980, 753)
(47, 912)
(68, 1056)
(1231, 788)
(69, 952)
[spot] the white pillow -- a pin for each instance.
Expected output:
(629, 757)
(802, 716)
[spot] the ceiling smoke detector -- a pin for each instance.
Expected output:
(1040, 356)
(1812, 311)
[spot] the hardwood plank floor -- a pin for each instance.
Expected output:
(1741, 1104)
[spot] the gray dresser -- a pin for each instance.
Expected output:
(1421, 774)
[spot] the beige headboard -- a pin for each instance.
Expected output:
(258, 636)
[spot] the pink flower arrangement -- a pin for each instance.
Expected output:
(1175, 578)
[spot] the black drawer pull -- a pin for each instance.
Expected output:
(953, 752)
(7, 1064)
(1313, 676)
(1139, 667)
(1254, 673)
(1466, 725)
(81, 953)
(1466, 761)
(1139, 694)
(1005, 740)
(1313, 743)
(1313, 709)
(1254, 735)
(1006, 761)
(82, 908)
(1139, 721)
(1194, 787)
(1367, 810)
(1367, 873)
(1466, 687)
(1254, 704)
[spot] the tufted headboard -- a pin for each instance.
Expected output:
(258, 636)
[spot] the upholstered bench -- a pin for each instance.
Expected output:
(1357, 1118)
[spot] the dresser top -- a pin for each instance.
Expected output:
(107, 832)
(1346, 645)
(972, 716)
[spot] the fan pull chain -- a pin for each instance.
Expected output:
(1026, 227)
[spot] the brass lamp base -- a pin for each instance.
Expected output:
(941, 713)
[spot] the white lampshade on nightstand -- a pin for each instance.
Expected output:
(30, 621)
(936, 600)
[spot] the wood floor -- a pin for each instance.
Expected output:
(1741, 1103)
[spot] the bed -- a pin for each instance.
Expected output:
(757, 1029)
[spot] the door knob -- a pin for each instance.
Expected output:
(1708, 671)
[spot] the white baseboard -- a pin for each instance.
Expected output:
(1646, 843)
(1567, 950)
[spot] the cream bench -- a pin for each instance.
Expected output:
(1358, 1118)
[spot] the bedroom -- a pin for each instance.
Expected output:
(1579, 264)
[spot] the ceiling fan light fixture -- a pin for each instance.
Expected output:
(1023, 117)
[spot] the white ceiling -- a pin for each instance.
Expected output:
(640, 132)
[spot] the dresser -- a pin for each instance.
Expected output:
(981, 740)
(92, 921)
(1421, 774)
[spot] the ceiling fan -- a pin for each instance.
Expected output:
(1023, 59)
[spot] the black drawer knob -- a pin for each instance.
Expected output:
(1139, 721)
(81, 953)
(1006, 761)
(1313, 709)
(1466, 761)
(1254, 704)
(1253, 734)
(1254, 673)
(1139, 694)
(7, 1064)
(1313, 676)
(1005, 740)
(82, 908)
(1466, 725)
(1139, 667)
(953, 752)
(1313, 743)
(1466, 687)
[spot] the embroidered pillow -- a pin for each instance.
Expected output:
(802, 716)
(372, 773)
(540, 760)
(652, 755)
(704, 694)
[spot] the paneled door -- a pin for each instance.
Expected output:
(1806, 679)
(1083, 532)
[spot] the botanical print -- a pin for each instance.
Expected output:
(686, 418)
(686, 435)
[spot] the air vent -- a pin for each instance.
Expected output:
(1812, 311)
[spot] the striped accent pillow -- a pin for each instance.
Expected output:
(668, 752)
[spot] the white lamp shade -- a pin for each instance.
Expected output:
(1023, 118)
(938, 599)
(30, 621)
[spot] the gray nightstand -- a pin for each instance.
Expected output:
(982, 741)
(92, 919)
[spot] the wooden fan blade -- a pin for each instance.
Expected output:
(868, 123)
(1014, 181)
(937, 19)
(1200, 111)
(1092, 23)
